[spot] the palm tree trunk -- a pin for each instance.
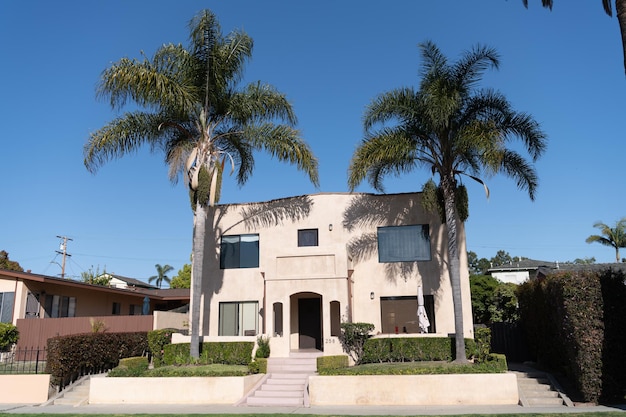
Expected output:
(620, 9)
(454, 266)
(197, 261)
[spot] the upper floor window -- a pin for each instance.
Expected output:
(404, 243)
(307, 237)
(239, 251)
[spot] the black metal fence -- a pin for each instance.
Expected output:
(23, 361)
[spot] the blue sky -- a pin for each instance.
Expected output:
(331, 59)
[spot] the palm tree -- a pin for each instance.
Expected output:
(452, 129)
(614, 237)
(161, 274)
(620, 10)
(195, 111)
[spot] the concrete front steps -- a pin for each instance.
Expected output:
(76, 394)
(539, 389)
(286, 382)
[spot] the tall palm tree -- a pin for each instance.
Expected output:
(161, 274)
(610, 236)
(451, 128)
(620, 10)
(191, 107)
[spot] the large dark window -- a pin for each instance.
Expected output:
(307, 237)
(60, 306)
(403, 243)
(239, 318)
(6, 306)
(239, 251)
(399, 314)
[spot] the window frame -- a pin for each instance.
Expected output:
(305, 234)
(240, 319)
(242, 253)
(419, 251)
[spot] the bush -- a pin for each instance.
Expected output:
(9, 336)
(263, 347)
(75, 355)
(258, 366)
(157, 339)
(410, 349)
(332, 362)
(483, 343)
(130, 367)
(229, 353)
(353, 337)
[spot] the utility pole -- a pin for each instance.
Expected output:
(63, 251)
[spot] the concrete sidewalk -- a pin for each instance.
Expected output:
(325, 410)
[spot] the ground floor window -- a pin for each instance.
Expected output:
(399, 314)
(335, 318)
(278, 319)
(60, 306)
(239, 318)
(6, 306)
(134, 310)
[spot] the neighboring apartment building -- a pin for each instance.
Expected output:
(295, 268)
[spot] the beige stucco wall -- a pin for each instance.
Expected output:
(344, 267)
(24, 389)
(170, 320)
(189, 390)
(464, 389)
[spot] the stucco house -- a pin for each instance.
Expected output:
(295, 268)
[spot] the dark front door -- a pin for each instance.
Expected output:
(310, 323)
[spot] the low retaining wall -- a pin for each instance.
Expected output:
(462, 389)
(174, 390)
(24, 389)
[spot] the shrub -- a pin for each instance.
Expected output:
(157, 339)
(263, 347)
(9, 335)
(353, 337)
(73, 355)
(130, 367)
(409, 349)
(483, 343)
(229, 353)
(258, 366)
(331, 362)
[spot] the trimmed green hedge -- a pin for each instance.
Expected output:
(229, 353)
(575, 323)
(332, 362)
(258, 366)
(410, 349)
(80, 354)
(157, 340)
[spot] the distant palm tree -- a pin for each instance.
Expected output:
(620, 9)
(195, 113)
(451, 129)
(161, 274)
(611, 236)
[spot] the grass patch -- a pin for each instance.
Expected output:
(415, 368)
(183, 371)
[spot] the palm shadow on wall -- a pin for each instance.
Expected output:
(370, 211)
(255, 217)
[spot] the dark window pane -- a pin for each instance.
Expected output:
(403, 243)
(307, 237)
(229, 252)
(249, 251)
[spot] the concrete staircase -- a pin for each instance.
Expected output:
(76, 394)
(286, 383)
(539, 389)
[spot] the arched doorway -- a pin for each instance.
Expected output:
(308, 321)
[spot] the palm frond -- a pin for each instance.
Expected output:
(121, 136)
(516, 167)
(260, 102)
(284, 143)
(399, 104)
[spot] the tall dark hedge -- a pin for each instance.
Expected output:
(575, 324)
(80, 354)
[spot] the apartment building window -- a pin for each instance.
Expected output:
(134, 310)
(6, 306)
(307, 237)
(399, 314)
(117, 309)
(404, 243)
(60, 306)
(239, 251)
(239, 318)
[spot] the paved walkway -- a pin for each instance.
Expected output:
(325, 410)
